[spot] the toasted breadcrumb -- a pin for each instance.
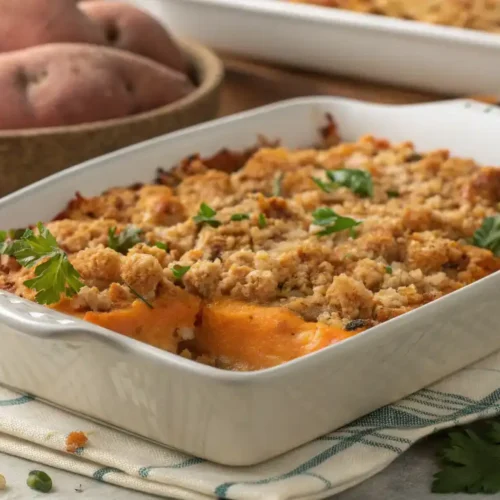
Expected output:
(75, 440)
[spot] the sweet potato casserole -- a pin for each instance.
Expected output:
(483, 15)
(246, 261)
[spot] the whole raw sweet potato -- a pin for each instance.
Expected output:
(26, 23)
(128, 28)
(67, 84)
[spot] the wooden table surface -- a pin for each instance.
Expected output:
(250, 84)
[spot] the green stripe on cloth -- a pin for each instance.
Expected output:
(388, 417)
(325, 481)
(144, 471)
(99, 474)
(17, 401)
(347, 442)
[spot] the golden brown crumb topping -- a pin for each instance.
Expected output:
(483, 15)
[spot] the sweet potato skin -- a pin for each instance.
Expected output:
(28, 23)
(128, 28)
(68, 84)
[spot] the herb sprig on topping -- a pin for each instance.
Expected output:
(124, 240)
(488, 235)
(358, 181)
(54, 274)
(262, 221)
(161, 245)
(326, 187)
(332, 222)
(240, 217)
(140, 297)
(206, 215)
(277, 184)
(180, 271)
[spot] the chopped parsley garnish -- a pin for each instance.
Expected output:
(140, 297)
(124, 240)
(278, 179)
(488, 235)
(414, 157)
(327, 187)
(180, 271)
(7, 247)
(470, 461)
(54, 274)
(388, 269)
(206, 215)
(392, 193)
(39, 481)
(3, 244)
(355, 324)
(332, 222)
(262, 221)
(15, 234)
(239, 217)
(161, 245)
(358, 181)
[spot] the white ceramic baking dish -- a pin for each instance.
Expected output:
(407, 53)
(245, 418)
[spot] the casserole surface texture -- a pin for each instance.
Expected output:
(247, 260)
(483, 15)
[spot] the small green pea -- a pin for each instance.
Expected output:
(39, 481)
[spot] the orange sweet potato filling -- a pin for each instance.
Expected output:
(157, 326)
(252, 337)
(242, 336)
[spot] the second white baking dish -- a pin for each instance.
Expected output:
(398, 52)
(245, 418)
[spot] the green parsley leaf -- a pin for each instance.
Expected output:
(332, 222)
(4, 245)
(262, 221)
(54, 274)
(488, 235)
(388, 269)
(124, 240)
(239, 217)
(15, 234)
(180, 271)
(140, 297)
(392, 193)
(278, 179)
(358, 181)
(469, 463)
(206, 215)
(161, 245)
(326, 187)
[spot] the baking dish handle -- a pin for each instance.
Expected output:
(32, 319)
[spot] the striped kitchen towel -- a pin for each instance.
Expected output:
(319, 469)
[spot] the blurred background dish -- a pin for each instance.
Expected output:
(416, 55)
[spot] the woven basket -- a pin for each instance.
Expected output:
(30, 155)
